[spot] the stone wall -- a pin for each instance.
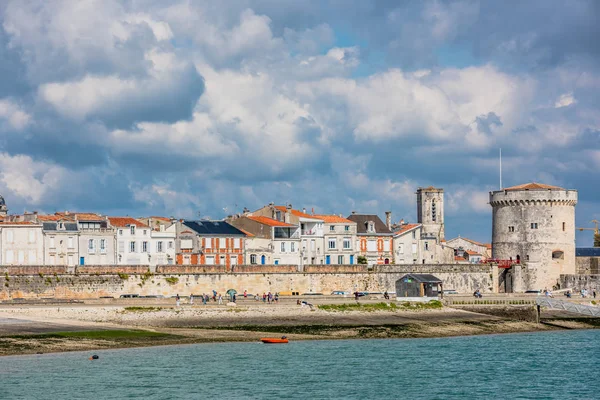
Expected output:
(111, 269)
(463, 278)
(33, 269)
(588, 265)
(577, 282)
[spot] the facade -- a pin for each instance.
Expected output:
(339, 240)
(283, 237)
(21, 243)
(134, 241)
(209, 243)
(96, 238)
(534, 224)
(407, 244)
(374, 238)
(61, 240)
(460, 243)
(312, 247)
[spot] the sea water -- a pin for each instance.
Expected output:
(560, 365)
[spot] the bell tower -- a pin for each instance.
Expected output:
(430, 212)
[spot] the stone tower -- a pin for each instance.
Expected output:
(3, 208)
(534, 224)
(430, 212)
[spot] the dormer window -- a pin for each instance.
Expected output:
(371, 227)
(132, 229)
(60, 225)
(278, 215)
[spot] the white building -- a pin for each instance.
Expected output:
(407, 244)
(21, 243)
(61, 240)
(96, 238)
(134, 241)
(162, 250)
(339, 240)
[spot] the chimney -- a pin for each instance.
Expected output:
(402, 221)
(388, 219)
(304, 210)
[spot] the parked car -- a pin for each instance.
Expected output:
(312, 294)
(129, 296)
(533, 292)
(339, 293)
(450, 291)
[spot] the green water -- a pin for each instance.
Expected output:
(561, 365)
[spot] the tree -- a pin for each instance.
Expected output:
(597, 240)
(361, 259)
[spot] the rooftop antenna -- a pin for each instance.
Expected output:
(501, 168)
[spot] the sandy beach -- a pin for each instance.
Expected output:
(26, 329)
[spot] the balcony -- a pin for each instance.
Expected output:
(308, 232)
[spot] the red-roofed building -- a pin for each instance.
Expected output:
(134, 241)
(463, 244)
(407, 244)
(273, 241)
(339, 240)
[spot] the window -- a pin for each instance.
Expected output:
(527, 257)
(292, 247)
(52, 242)
(32, 259)
(278, 215)
(207, 243)
(332, 228)
(210, 260)
(91, 248)
(9, 236)
(371, 226)
(312, 245)
(426, 245)
(121, 246)
(233, 260)
(52, 260)
(534, 225)
(283, 247)
(511, 228)
(132, 229)
(252, 258)
(70, 242)
(222, 243)
(31, 236)
(401, 248)
(159, 247)
(60, 225)
(340, 260)
(386, 245)
(347, 244)
(371, 245)
(121, 232)
(564, 226)
(144, 247)
(21, 256)
(9, 256)
(331, 243)
(132, 247)
(237, 243)
(102, 245)
(145, 232)
(558, 255)
(170, 244)
(71, 260)
(414, 234)
(414, 248)
(433, 211)
(186, 244)
(347, 228)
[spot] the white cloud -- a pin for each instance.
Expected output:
(14, 115)
(29, 179)
(565, 100)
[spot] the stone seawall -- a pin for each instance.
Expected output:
(588, 265)
(580, 281)
(81, 286)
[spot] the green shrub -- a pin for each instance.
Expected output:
(172, 280)
(123, 276)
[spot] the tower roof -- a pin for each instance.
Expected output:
(534, 186)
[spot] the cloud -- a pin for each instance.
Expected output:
(565, 100)
(13, 115)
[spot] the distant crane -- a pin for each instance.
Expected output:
(596, 232)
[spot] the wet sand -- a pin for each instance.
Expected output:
(162, 324)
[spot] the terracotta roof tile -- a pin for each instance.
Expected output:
(297, 213)
(246, 232)
(333, 219)
(534, 186)
(122, 222)
(54, 217)
(406, 228)
(82, 216)
(270, 221)
(18, 223)
(472, 253)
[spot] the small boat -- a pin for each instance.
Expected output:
(283, 339)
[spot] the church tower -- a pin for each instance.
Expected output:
(3, 208)
(430, 212)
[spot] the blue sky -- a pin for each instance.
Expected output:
(186, 108)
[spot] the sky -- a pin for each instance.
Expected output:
(194, 109)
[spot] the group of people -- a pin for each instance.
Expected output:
(204, 298)
(268, 297)
(477, 294)
(585, 293)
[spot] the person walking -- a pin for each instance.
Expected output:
(207, 298)
(204, 298)
(264, 297)
(594, 294)
(220, 298)
(277, 297)
(177, 299)
(191, 299)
